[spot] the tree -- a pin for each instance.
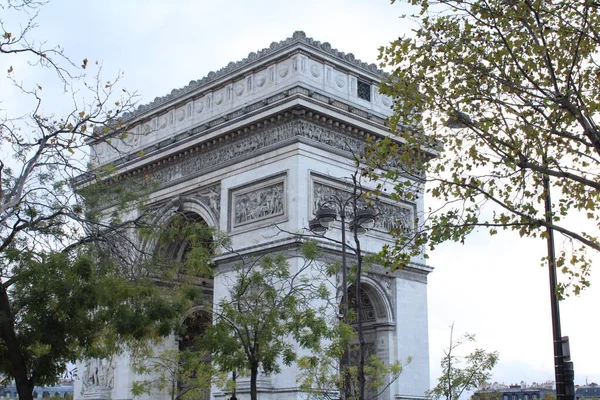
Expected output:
(510, 91)
(268, 304)
(330, 370)
(67, 288)
(457, 378)
(549, 396)
(182, 374)
(320, 373)
(180, 264)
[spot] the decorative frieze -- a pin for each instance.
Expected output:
(258, 202)
(136, 142)
(250, 145)
(389, 215)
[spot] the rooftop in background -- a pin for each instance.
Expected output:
(63, 390)
(587, 391)
(534, 391)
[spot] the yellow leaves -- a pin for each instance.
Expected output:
(71, 150)
(142, 154)
(85, 63)
(10, 70)
(40, 349)
(7, 35)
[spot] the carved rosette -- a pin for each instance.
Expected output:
(297, 37)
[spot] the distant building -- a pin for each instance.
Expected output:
(499, 391)
(588, 391)
(521, 391)
(63, 390)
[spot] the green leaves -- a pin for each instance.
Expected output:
(268, 303)
(518, 90)
(65, 306)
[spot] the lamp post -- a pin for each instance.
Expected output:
(361, 222)
(563, 367)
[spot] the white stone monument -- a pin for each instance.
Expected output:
(253, 149)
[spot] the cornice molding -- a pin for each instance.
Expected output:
(299, 37)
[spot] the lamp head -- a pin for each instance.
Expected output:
(326, 216)
(315, 226)
(363, 220)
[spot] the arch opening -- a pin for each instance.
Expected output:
(184, 250)
(376, 322)
(192, 329)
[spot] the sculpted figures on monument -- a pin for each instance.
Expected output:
(98, 375)
(212, 197)
(390, 215)
(259, 204)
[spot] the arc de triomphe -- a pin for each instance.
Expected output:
(260, 143)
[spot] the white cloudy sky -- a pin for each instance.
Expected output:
(492, 288)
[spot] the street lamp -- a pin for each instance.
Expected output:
(563, 367)
(361, 222)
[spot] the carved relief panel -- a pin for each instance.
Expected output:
(258, 204)
(390, 215)
(98, 375)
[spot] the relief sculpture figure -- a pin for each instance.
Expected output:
(99, 374)
(259, 204)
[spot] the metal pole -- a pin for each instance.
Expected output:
(344, 272)
(557, 336)
(345, 357)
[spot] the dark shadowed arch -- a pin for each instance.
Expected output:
(193, 328)
(177, 248)
(377, 321)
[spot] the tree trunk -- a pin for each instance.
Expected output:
(359, 328)
(253, 377)
(13, 348)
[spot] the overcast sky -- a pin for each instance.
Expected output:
(491, 287)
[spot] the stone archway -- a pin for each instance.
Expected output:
(186, 234)
(377, 321)
(176, 217)
(192, 328)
